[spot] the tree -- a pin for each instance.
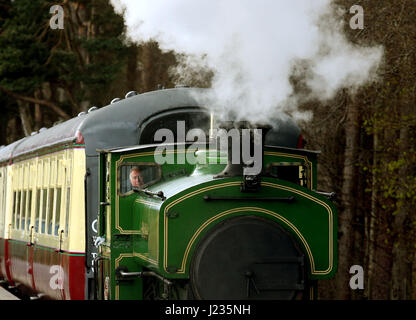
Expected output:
(62, 70)
(371, 154)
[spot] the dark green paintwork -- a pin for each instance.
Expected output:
(139, 240)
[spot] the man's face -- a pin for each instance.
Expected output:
(135, 178)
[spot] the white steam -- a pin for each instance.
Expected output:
(256, 47)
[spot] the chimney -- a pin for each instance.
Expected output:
(243, 138)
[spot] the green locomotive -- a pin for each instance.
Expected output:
(198, 231)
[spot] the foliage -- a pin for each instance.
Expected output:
(384, 194)
(22, 56)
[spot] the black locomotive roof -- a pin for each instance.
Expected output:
(140, 147)
(110, 126)
(118, 124)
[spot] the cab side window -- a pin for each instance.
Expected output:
(140, 175)
(288, 171)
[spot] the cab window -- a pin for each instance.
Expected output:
(191, 119)
(289, 171)
(140, 175)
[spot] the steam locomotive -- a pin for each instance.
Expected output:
(72, 225)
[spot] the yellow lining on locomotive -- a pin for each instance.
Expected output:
(117, 263)
(237, 183)
(249, 209)
(150, 153)
(143, 256)
(330, 221)
(117, 219)
(118, 163)
(307, 163)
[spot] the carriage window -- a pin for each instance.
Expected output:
(138, 175)
(14, 209)
(68, 202)
(37, 210)
(29, 209)
(58, 210)
(23, 211)
(43, 213)
(3, 188)
(50, 211)
(19, 194)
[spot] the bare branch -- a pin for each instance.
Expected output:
(46, 103)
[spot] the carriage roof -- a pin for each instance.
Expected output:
(107, 126)
(118, 124)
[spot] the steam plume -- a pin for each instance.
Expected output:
(256, 47)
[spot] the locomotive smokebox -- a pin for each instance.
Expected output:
(244, 143)
(265, 263)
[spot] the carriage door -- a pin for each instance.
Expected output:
(3, 188)
(102, 263)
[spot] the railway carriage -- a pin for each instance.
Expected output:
(72, 228)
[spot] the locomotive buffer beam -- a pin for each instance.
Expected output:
(123, 274)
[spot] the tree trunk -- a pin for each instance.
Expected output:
(381, 240)
(3, 129)
(132, 63)
(372, 217)
(402, 268)
(38, 113)
(346, 216)
(13, 132)
(413, 294)
(25, 118)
